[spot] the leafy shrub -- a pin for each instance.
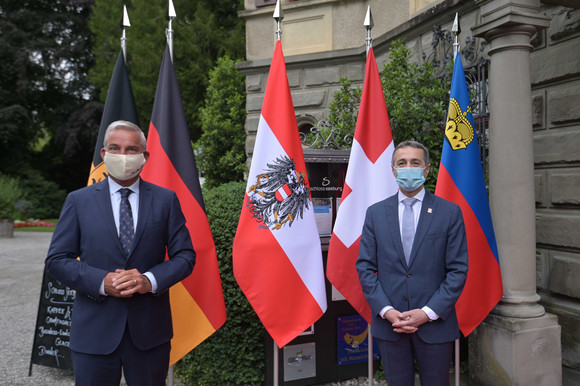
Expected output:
(10, 193)
(42, 198)
(234, 354)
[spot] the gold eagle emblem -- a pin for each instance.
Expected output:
(97, 173)
(458, 130)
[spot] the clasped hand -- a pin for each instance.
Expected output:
(406, 322)
(123, 284)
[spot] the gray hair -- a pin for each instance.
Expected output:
(125, 125)
(414, 144)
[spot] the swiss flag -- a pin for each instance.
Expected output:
(369, 179)
(277, 254)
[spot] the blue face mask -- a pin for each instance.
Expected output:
(410, 179)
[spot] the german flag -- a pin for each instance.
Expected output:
(197, 303)
(120, 105)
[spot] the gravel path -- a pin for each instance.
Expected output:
(21, 267)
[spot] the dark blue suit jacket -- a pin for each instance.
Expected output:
(86, 229)
(436, 272)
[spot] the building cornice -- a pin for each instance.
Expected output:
(424, 22)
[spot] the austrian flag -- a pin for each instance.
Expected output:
(277, 256)
(283, 193)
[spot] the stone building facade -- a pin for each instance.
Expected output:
(324, 40)
(555, 78)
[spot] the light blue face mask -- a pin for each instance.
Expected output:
(410, 179)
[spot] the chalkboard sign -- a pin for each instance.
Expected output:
(52, 333)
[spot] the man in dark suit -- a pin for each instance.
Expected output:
(412, 266)
(122, 315)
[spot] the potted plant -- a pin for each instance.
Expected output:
(10, 193)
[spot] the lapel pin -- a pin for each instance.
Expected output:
(429, 210)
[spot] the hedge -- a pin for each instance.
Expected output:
(234, 354)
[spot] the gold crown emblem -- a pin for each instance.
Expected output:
(458, 130)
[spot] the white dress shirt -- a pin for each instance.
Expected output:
(115, 195)
(416, 214)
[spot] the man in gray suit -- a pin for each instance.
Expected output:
(412, 266)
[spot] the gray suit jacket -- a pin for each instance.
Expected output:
(436, 272)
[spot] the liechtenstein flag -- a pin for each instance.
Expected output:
(461, 181)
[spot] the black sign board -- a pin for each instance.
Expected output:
(326, 174)
(52, 333)
(311, 358)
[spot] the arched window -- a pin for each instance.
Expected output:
(305, 123)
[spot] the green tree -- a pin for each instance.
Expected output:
(343, 110)
(45, 53)
(204, 31)
(417, 103)
(221, 148)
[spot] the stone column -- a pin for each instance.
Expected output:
(518, 344)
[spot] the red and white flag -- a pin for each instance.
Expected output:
(276, 254)
(368, 180)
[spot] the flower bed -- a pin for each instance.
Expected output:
(32, 223)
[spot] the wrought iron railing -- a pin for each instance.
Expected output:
(476, 73)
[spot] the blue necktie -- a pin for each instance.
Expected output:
(126, 232)
(408, 227)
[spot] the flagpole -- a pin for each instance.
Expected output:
(456, 29)
(169, 31)
(276, 374)
(371, 375)
(169, 35)
(278, 16)
(170, 376)
(125, 23)
(369, 24)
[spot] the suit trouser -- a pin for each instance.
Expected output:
(434, 361)
(140, 368)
